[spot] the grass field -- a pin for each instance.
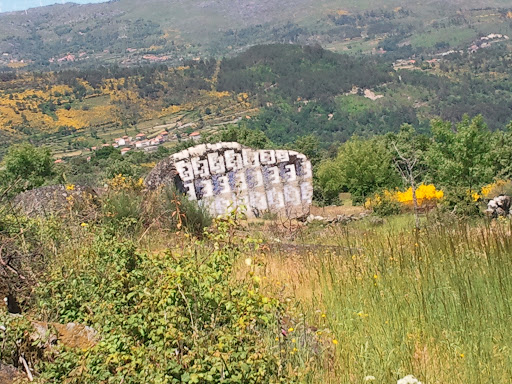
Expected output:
(434, 304)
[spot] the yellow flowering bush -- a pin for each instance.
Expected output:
(497, 188)
(425, 194)
(390, 202)
(378, 199)
(125, 183)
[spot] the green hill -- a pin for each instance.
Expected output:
(161, 30)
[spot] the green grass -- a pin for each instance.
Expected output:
(455, 36)
(355, 104)
(436, 305)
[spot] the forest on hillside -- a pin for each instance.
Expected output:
(305, 91)
(293, 91)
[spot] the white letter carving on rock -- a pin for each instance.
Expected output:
(224, 176)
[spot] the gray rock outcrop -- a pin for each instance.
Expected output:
(227, 175)
(56, 200)
(499, 206)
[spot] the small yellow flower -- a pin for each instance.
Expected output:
(290, 329)
(461, 355)
(84, 225)
(375, 277)
(335, 342)
(70, 187)
(294, 340)
(324, 315)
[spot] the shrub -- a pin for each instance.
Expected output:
(174, 317)
(461, 202)
(122, 203)
(173, 210)
(426, 195)
(499, 187)
(388, 203)
(383, 204)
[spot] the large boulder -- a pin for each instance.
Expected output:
(227, 175)
(9, 374)
(57, 200)
(499, 206)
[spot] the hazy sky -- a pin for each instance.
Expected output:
(20, 5)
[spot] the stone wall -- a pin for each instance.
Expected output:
(225, 175)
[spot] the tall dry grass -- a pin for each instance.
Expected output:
(436, 304)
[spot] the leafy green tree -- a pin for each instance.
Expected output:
(27, 167)
(310, 146)
(460, 157)
(501, 153)
(362, 167)
(243, 135)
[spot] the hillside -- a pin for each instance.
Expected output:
(283, 91)
(171, 31)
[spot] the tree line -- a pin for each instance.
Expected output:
(459, 158)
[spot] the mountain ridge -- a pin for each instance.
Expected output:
(123, 31)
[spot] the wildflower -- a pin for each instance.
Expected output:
(290, 329)
(335, 342)
(375, 277)
(294, 340)
(70, 187)
(324, 315)
(461, 355)
(369, 378)
(248, 261)
(84, 225)
(409, 379)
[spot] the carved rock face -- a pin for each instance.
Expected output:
(226, 175)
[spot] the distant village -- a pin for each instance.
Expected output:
(141, 142)
(482, 43)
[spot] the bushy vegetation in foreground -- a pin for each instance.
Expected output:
(160, 290)
(247, 304)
